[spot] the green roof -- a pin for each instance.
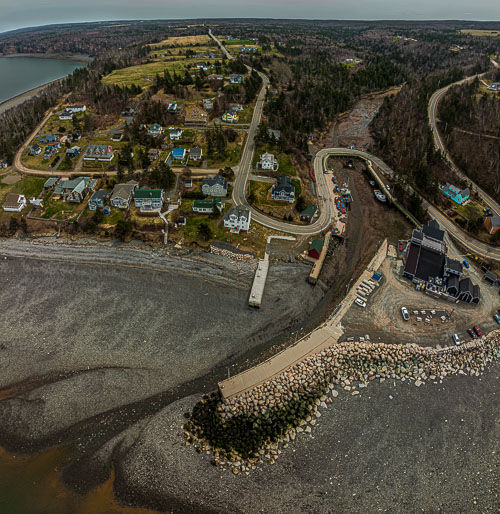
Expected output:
(203, 204)
(317, 244)
(148, 193)
(310, 211)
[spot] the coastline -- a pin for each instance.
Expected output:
(30, 93)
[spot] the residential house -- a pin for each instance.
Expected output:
(74, 190)
(235, 107)
(214, 186)
(237, 218)
(208, 103)
(468, 292)
(14, 203)
(495, 86)
(458, 195)
(283, 190)
(66, 115)
(274, 134)
(4, 163)
(153, 154)
(309, 213)
(36, 203)
(50, 151)
(76, 108)
(245, 49)
(49, 138)
(73, 152)
(173, 107)
(188, 183)
(117, 137)
(155, 130)
(201, 66)
(215, 78)
(195, 116)
(178, 154)
(122, 193)
(175, 134)
(148, 199)
(268, 162)
(492, 224)
(98, 200)
(50, 183)
(230, 117)
(207, 206)
(315, 248)
(181, 221)
(490, 277)
(99, 153)
(35, 150)
(235, 79)
(195, 153)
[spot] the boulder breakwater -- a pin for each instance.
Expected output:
(244, 431)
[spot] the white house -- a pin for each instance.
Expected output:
(14, 203)
(237, 218)
(175, 134)
(268, 162)
(76, 108)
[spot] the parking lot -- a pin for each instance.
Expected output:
(383, 321)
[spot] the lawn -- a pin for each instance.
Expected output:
(29, 186)
(37, 162)
(59, 209)
(471, 210)
(239, 42)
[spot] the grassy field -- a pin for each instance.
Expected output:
(481, 33)
(239, 42)
(29, 186)
(183, 40)
(143, 75)
(37, 162)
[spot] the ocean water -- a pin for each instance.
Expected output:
(20, 74)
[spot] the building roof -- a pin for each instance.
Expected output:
(238, 211)
(12, 200)
(418, 235)
(148, 193)
(212, 181)
(412, 259)
(466, 285)
(453, 281)
(316, 244)
(453, 264)
(98, 150)
(490, 276)
(101, 194)
(196, 151)
(454, 190)
(495, 221)
(50, 182)
(310, 211)
(203, 204)
(430, 264)
(433, 230)
(181, 152)
(124, 190)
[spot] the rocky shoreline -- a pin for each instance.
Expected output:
(289, 404)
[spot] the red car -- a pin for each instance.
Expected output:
(476, 330)
(472, 333)
(401, 246)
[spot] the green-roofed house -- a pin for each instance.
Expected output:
(74, 190)
(309, 213)
(315, 248)
(50, 183)
(148, 199)
(207, 206)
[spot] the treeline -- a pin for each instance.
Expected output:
(470, 126)
(318, 90)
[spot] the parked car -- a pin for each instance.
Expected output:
(388, 187)
(466, 264)
(472, 333)
(496, 317)
(405, 314)
(476, 330)
(372, 183)
(360, 302)
(456, 339)
(401, 246)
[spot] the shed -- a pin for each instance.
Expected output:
(490, 277)
(315, 248)
(308, 213)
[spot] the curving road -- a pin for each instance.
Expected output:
(432, 109)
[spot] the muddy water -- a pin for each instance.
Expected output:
(32, 484)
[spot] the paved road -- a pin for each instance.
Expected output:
(432, 109)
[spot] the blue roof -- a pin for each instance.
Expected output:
(178, 152)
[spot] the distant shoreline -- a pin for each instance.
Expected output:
(30, 93)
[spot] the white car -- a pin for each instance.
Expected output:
(456, 339)
(405, 314)
(388, 187)
(360, 302)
